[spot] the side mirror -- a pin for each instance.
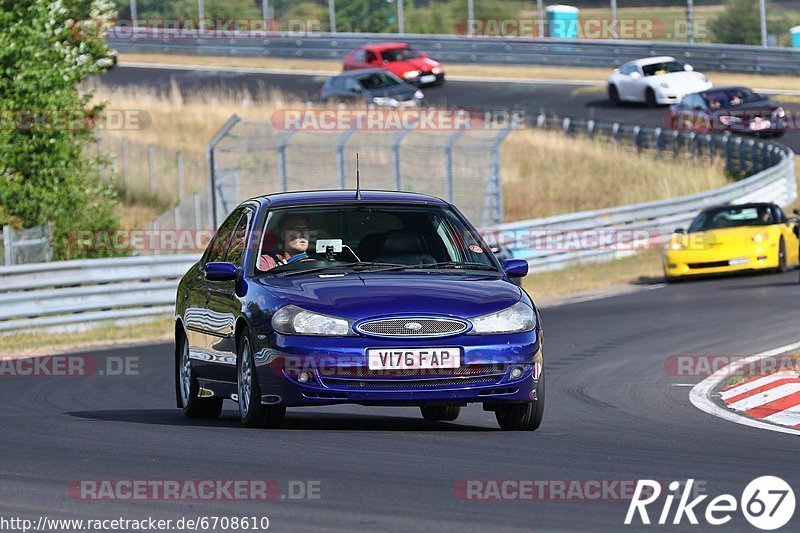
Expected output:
(516, 268)
(680, 230)
(688, 68)
(217, 271)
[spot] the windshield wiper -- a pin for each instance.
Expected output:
(457, 264)
(361, 266)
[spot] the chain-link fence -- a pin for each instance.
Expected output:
(31, 245)
(461, 165)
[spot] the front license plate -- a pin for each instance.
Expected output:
(427, 79)
(413, 358)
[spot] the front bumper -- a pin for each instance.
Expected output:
(338, 372)
(679, 263)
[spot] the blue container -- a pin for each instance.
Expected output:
(795, 36)
(562, 22)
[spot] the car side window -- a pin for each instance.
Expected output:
(371, 57)
(235, 253)
(219, 245)
(360, 56)
(336, 84)
(628, 70)
(351, 85)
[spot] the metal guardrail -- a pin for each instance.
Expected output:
(460, 49)
(80, 293)
(769, 165)
(85, 292)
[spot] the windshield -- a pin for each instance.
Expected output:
(379, 80)
(730, 97)
(658, 69)
(399, 54)
(367, 236)
(732, 217)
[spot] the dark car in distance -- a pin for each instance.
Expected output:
(376, 87)
(728, 109)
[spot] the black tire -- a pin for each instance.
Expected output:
(783, 264)
(187, 387)
(522, 416)
(252, 413)
(446, 413)
(650, 98)
(613, 95)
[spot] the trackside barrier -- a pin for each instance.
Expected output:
(80, 293)
(460, 49)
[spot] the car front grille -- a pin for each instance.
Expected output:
(413, 327)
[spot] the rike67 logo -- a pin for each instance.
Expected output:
(767, 503)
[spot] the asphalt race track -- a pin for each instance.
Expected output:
(564, 100)
(613, 413)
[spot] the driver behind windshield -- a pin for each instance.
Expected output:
(293, 231)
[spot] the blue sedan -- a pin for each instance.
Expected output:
(371, 298)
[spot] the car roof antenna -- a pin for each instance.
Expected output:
(358, 180)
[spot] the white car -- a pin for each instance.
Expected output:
(654, 81)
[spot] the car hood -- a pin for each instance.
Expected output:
(358, 296)
(396, 91)
(680, 80)
(763, 107)
(708, 240)
(423, 64)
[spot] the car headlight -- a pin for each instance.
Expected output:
(761, 237)
(293, 320)
(419, 95)
(665, 85)
(515, 319)
(436, 70)
(728, 120)
(411, 74)
(677, 246)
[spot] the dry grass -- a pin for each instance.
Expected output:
(644, 268)
(37, 343)
(546, 173)
(490, 71)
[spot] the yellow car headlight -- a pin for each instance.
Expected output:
(761, 237)
(675, 245)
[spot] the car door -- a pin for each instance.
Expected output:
(202, 325)
(224, 304)
(630, 84)
(789, 230)
(352, 89)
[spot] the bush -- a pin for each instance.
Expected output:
(47, 125)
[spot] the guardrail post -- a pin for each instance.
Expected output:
(766, 156)
(341, 142)
(448, 163)
(590, 129)
(726, 144)
(541, 120)
(8, 246)
(565, 125)
(658, 134)
(616, 132)
(155, 236)
(283, 175)
(637, 130)
(179, 157)
(398, 171)
(210, 164)
(151, 166)
(740, 154)
(126, 159)
(754, 160)
(711, 146)
(197, 218)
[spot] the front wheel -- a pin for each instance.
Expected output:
(650, 98)
(522, 416)
(187, 387)
(613, 94)
(446, 413)
(252, 413)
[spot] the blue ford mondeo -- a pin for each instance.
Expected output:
(370, 298)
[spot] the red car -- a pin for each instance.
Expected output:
(399, 59)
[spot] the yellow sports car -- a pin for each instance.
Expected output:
(733, 238)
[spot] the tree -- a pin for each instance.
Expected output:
(46, 124)
(740, 23)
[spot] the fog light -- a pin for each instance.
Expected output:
(303, 377)
(516, 372)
